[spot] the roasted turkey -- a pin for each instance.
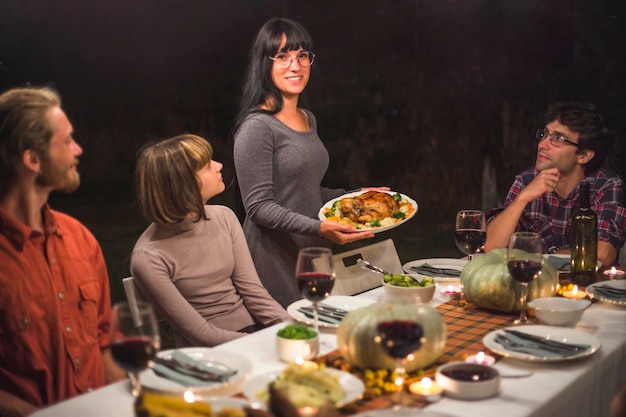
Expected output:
(372, 204)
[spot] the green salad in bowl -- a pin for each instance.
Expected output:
(297, 341)
(417, 286)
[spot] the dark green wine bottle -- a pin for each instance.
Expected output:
(584, 240)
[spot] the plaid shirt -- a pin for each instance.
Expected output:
(549, 215)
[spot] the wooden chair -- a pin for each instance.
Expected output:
(352, 279)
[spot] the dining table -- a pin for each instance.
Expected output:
(582, 387)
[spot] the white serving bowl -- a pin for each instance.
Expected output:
(468, 381)
(423, 294)
(558, 311)
(289, 350)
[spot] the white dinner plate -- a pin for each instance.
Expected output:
(322, 216)
(451, 263)
(352, 386)
(402, 412)
(620, 284)
(345, 302)
(151, 381)
(560, 334)
(220, 402)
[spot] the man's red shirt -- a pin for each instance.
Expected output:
(54, 309)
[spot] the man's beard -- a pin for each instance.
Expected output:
(63, 180)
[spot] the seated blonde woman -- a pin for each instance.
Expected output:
(193, 261)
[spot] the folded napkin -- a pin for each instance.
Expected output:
(609, 292)
(560, 263)
(516, 335)
(530, 348)
(431, 271)
(179, 370)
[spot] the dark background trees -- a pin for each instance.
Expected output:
(419, 95)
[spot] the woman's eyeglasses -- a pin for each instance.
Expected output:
(284, 60)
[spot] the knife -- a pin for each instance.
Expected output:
(547, 342)
(331, 308)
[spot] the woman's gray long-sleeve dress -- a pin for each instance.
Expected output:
(280, 171)
(201, 279)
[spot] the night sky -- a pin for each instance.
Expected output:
(405, 91)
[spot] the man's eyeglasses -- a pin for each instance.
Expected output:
(284, 60)
(556, 140)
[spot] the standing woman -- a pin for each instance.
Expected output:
(193, 262)
(280, 160)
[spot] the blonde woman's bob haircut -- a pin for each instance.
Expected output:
(166, 180)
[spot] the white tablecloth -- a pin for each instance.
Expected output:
(580, 388)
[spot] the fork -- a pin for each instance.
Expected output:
(328, 307)
(324, 311)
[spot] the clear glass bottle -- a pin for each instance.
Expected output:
(584, 240)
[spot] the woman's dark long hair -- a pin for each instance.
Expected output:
(258, 87)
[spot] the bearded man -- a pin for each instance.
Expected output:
(54, 287)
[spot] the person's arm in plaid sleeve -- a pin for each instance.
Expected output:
(606, 203)
(505, 223)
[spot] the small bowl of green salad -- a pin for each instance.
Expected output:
(412, 285)
(297, 341)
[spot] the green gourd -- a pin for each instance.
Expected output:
(486, 283)
(357, 331)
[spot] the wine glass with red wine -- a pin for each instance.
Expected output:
(524, 261)
(315, 275)
(134, 336)
(470, 232)
(400, 334)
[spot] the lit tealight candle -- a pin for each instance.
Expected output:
(189, 397)
(308, 365)
(452, 292)
(574, 293)
(613, 273)
(426, 389)
(481, 358)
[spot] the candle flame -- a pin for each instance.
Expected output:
(299, 360)
(613, 270)
(480, 357)
(189, 397)
(450, 288)
(575, 290)
(426, 382)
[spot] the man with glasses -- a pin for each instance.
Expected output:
(571, 149)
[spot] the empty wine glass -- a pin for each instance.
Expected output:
(524, 261)
(134, 336)
(315, 275)
(470, 232)
(400, 334)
